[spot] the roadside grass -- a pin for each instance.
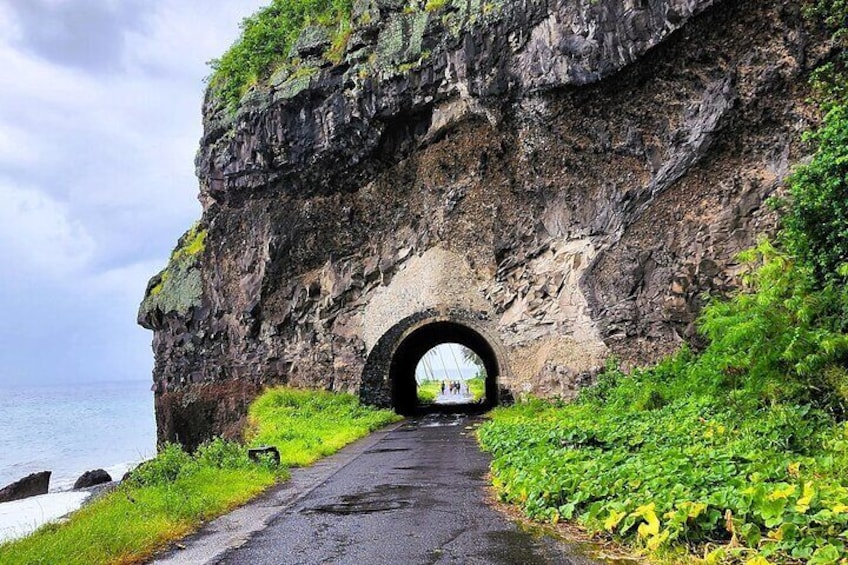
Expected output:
(477, 388)
(306, 425)
(428, 391)
(171, 495)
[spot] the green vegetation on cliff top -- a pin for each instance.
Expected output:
(738, 454)
(267, 38)
(174, 493)
(272, 39)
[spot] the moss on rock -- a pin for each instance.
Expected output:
(179, 286)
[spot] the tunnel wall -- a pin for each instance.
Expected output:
(388, 378)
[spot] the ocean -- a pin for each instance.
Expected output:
(69, 429)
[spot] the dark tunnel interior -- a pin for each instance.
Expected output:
(422, 340)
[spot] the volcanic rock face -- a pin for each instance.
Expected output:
(553, 182)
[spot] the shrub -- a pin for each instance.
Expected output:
(171, 463)
(816, 227)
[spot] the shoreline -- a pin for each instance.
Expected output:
(20, 518)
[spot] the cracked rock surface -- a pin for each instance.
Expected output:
(570, 177)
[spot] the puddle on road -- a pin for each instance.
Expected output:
(513, 547)
(583, 550)
(384, 498)
(437, 424)
(388, 450)
(361, 507)
(437, 421)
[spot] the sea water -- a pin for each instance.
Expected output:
(69, 429)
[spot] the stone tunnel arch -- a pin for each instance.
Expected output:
(388, 378)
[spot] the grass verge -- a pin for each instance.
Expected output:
(477, 388)
(306, 425)
(429, 391)
(174, 493)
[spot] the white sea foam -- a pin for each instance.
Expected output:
(22, 517)
(68, 428)
(64, 483)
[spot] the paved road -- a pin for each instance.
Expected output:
(454, 398)
(412, 494)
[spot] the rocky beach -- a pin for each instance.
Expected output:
(68, 431)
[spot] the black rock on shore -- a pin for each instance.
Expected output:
(31, 485)
(92, 478)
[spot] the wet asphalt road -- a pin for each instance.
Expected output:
(416, 496)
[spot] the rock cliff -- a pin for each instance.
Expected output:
(548, 182)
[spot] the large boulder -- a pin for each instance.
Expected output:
(31, 485)
(92, 478)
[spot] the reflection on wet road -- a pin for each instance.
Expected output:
(416, 496)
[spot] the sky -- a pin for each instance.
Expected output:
(99, 124)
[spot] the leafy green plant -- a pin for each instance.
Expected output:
(817, 221)
(690, 473)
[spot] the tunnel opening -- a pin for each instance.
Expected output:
(412, 351)
(450, 374)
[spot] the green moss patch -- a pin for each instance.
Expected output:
(179, 286)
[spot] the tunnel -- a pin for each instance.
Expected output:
(388, 376)
(415, 345)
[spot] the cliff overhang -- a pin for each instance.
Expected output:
(554, 182)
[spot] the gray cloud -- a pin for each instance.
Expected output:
(99, 122)
(85, 34)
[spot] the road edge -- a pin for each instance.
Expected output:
(234, 529)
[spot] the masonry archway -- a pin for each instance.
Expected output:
(389, 375)
(413, 348)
